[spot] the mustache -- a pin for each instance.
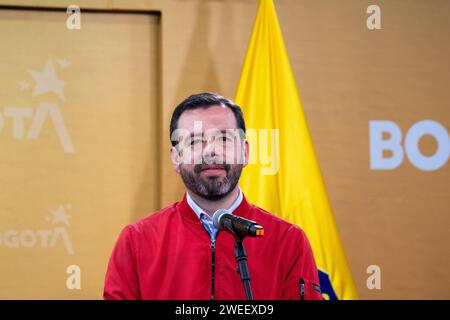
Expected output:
(199, 167)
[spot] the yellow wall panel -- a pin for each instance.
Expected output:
(78, 144)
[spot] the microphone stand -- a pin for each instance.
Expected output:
(241, 258)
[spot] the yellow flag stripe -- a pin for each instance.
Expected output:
(267, 92)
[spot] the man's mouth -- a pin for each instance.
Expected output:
(213, 169)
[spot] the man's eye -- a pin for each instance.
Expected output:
(227, 139)
(195, 141)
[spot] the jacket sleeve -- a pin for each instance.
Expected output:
(302, 279)
(121, 281)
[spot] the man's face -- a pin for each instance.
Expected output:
(210, 153)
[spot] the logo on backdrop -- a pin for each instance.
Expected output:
(43, 238)
(44, 81)
(410, 146)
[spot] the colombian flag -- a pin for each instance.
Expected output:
(290, 184)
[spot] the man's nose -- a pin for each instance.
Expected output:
(209, 148)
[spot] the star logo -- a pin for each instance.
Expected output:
(60, 215)
(47, 81)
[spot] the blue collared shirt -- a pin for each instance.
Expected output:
(205, 218)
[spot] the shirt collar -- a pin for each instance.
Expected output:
(199, 211)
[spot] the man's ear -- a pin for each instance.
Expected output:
(246, 152)
(176, 159)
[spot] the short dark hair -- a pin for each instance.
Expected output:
(205, 100)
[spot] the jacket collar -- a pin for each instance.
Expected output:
(189, 215)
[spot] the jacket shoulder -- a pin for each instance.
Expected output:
(154, 219)
(264, 216)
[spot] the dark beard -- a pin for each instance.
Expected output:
(211, 188)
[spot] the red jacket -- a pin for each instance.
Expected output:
(168, 255)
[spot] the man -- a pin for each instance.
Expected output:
(177, 253)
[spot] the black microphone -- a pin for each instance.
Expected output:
(224, 219)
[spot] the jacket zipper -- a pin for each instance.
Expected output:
(213, 258)
(302, 289)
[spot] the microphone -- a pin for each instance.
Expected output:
(224, 219)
